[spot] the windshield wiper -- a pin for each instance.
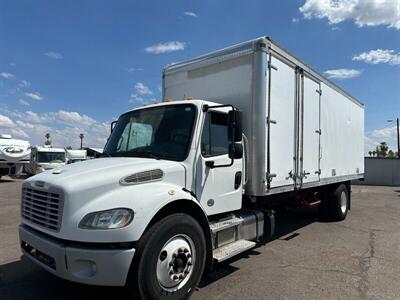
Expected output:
(145, 153)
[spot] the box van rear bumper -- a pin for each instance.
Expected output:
(83, 264)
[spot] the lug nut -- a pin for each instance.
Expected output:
(180, 250)
(185, 250)
(171, 263)
(171, 272)
(175, 277)
(186, 271)
(188, 255)
(174, 255)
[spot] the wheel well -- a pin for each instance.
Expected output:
(193, 210)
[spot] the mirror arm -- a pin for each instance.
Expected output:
(211, 164)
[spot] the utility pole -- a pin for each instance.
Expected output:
(398, 140)
(81, 136)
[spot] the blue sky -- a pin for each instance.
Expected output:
(72, 66)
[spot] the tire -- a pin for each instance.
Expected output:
(338, 204)
(169, 259)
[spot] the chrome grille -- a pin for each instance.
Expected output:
(43, 208)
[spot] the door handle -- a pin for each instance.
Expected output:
(210, 164)
(238, 179)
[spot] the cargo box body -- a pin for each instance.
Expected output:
(301, 130)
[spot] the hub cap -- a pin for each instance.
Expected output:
(343, 202)
(175, 262)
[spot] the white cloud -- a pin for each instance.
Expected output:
(136, 99)
(362, 12)
(6, 75)
(16, 132)
(386, 134)
(23, 124)
(54, 55)
(23, 102)
(24, 83)
(63, 126)
(73, 118)
(34, 96)
(295, 20)
(165, 47)
(133, 70)
(6, 121)
(379, 56)
(190, 14)
(342, 73)
(142, 89)
(34, 117)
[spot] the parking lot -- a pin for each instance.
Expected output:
(308, 259)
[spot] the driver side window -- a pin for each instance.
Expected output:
(214, 139)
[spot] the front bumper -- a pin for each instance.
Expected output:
(89, 265)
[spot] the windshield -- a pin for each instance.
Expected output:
(51, 157)
(157, 132)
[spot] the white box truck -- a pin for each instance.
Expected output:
(14, 155)
(44, 158)
(74, 156)
(184, 184)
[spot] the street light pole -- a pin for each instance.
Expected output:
(398, 139)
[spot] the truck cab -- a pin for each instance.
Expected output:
(178, 163)
(45, 158)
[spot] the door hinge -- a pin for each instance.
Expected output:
(318, 172)
(319, 131)
(269, 176)
(319, 92)
(271, 66)
(270, 121)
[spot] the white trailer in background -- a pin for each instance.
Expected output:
(45, 158)
(74, 156)
(184, 184)
(14, 155)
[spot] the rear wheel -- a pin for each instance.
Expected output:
(169, 259)
(335, 203)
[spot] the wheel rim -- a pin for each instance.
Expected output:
(175, 262)
(343, 202)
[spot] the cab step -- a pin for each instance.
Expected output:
(227, 251)
(221, 225)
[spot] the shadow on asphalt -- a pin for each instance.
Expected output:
(24, 280)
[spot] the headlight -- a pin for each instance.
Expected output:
(107, 219)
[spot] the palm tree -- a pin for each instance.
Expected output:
(370, 153)
(48, 141)
(81, 136)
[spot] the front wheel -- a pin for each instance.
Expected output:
(169, 259)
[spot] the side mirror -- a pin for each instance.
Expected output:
(113, 123)
(235, 129)
(235, 151)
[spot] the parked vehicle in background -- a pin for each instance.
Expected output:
(14, 154)
(93, 152)
(74, 156)
(186, 184)
(45, 158)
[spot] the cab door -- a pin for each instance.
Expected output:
(218, 189)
